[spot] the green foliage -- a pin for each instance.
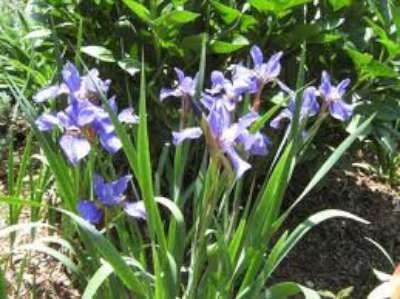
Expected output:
(207, 235)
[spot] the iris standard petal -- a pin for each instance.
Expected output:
(341, 87)
(188, 133)
(187, 86)
(119, 186)
(273, 66)
(256, 55)
(89, 211)
(71, 77)
(179, 74)
(74, 147)
(85, 115)
(326, 86)
(340, 110)
(217, 78)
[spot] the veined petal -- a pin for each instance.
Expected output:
(71, 77)
(273, 66)
(110, 142)
(136, 209)
(340, 110)
(113, 104)
(256, 55)
(276, 122)
(239, 165)
(74, 147)
(89, 211)
(326, 86)
(188, 133)
(46, 122)
(168, 92)
(248, 119)
(341, 87)
(187, 86)
(310, 106)
(217, 78)
(98, 185)
(207, 101)
(86, 115)
(47, 93)
(119, 186)
(179, 74)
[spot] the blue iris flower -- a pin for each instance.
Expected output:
(309, 107)
(333, 97)
(84, 118)
(110, 194)
(262, 72)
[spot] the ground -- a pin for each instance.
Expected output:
(336, 254)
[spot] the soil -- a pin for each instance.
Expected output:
(336, 254)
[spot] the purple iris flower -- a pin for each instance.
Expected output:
(74, 121)
(88, 87)
(262, 72)
(104, 127)
(224, 90)
(186, 86)
(89, 211)
(333, 97)
(112, 193)
(84, 118)
(227, 136)
(309, 107)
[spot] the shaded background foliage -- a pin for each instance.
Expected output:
(356, 39)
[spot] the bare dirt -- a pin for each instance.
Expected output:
(336, 254)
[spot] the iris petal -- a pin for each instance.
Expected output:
(340, 110)
(89, 211)
(188, 133)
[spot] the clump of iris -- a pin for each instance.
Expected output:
(229, 133)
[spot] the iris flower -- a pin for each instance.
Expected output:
(186, 86)
(110, 194)
(224, 90)
(309, 107)
(226, 136)
(88, 87)
(333, 97)
(83, 118)
(262, 72)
